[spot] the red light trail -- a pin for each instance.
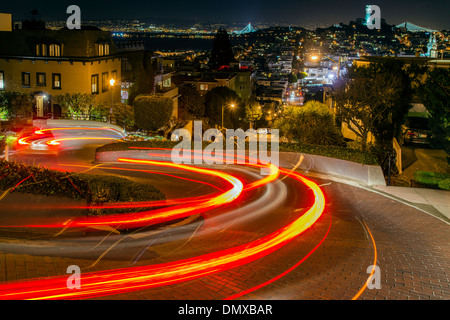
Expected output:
(186, 207)
(42, 131)
(138, 278)
(52, 141)
(145, 218)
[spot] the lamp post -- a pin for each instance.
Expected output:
(223, 108)
(111, 83)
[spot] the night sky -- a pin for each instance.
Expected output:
(433, 13)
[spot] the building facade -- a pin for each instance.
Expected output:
(135, 61)
(47, 63)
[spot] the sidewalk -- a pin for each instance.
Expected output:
(435, 202)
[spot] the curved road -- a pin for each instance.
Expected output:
(333, 259)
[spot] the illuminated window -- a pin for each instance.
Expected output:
(167, 83)
(103, 49)
(56, 81)
(100, 49)
(26, 81)
(94, 83)
(41, 80)
(44, 50)
(54, 50)
(105, 82)
(41, 50)
(203, 87)
(2, 80)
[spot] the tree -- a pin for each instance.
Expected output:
(22, 106)
(221, 53)
(142, 73)
(220, 97)
(191, 102)
(435, 93)
(292, 78)
(301, 75)
(152, 112)
(398, 104)
(124, 114)
(374, 99)
(311, 124)
(253, 112)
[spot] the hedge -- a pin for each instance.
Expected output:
(435, 180)
(444, 184)
(96, 189)
(327, 151)
(152, 112)
(336, 152)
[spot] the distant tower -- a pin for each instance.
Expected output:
(432, 46)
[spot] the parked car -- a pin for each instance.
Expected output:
(416, 130)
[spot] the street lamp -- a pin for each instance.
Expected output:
(327, 57)
(223, 108)
(111, 83)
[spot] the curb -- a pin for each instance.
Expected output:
(353, 172)
(341, 171)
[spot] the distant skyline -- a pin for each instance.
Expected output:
(432, 14)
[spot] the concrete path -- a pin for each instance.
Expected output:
(436, 202)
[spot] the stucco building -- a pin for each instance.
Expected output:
(47, 63)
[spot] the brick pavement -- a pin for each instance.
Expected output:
(412, 249)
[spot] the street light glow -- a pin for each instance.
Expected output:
(112, 82)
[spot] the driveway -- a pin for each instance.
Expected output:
(417, 158)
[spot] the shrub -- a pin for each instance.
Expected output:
(336, 152)
(107, 189)
(76, 104)
(94, 188)
(444, 184)
(382, 153)
(310, 124)
(152, 112)
(434, 180)
(327, 151)
(15, 105)
(2, 143)
(122, 146)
